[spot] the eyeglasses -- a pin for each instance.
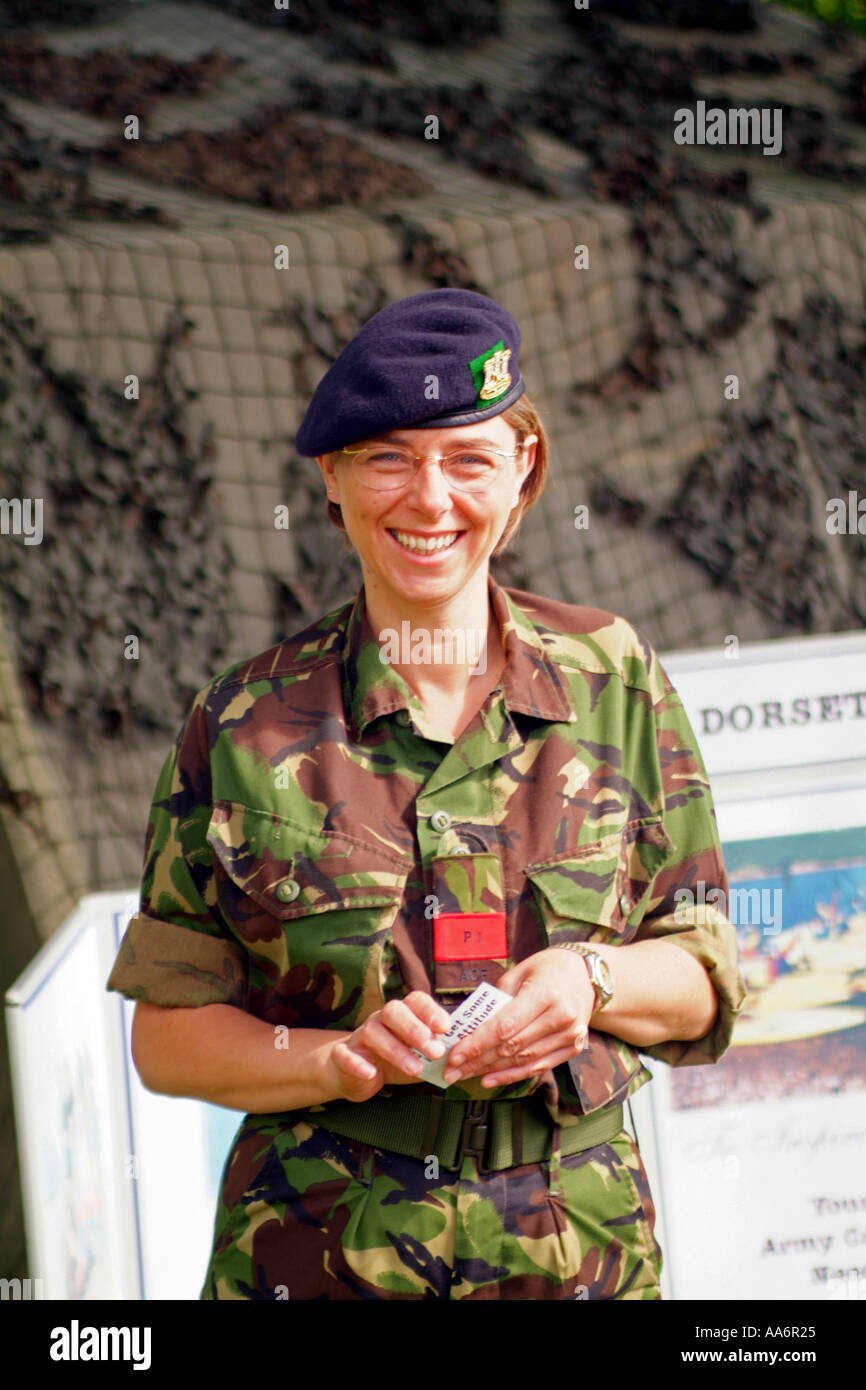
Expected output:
(386, 467)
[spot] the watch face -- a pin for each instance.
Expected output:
(605, 974)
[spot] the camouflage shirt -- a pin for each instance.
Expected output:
(309, 823)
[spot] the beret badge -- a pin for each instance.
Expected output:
(490, 372)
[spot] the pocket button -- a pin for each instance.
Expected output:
(288, 890)
(624, 905)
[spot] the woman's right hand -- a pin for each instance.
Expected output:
(379, 1052)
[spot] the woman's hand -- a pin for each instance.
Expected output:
(379, 1053)
(547, 1023)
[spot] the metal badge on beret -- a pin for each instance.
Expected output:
(496, 376)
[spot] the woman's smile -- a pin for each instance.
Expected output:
(425, 545)
(430, 528)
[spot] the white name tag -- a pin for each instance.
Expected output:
(486, 1001)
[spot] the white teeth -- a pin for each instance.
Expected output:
(428, 543)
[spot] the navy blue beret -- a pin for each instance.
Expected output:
(440, 358)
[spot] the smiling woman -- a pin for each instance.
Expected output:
(351, 834)
(524, 421)
(424, 525)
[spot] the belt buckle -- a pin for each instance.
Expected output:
(473, 1136)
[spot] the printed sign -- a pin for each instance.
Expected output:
(761, 1158)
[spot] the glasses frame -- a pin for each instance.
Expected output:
(439, 458)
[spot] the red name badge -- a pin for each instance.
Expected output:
(469, 936)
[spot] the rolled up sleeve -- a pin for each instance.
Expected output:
(178, 950)
(690, 894)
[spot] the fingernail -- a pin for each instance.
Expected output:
(435, 1048)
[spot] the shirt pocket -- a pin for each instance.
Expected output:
(600, 891)
(314, 909)
(466, 882)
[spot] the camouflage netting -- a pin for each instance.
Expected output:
(307, 129)
(107, 82)
(127, 521)
(800, 444)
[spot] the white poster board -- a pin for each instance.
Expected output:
(758, 1162)
(119, 1184)
(72, 1117)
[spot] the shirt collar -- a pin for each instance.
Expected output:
(531, 683)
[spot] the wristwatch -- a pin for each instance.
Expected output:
(600, 972)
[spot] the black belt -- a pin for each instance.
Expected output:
(499, 1134)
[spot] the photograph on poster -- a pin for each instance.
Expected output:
(799, 906)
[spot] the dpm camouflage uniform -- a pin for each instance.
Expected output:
(300, 830)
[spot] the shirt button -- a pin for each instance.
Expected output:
(440, 820)
(624, 905)
(288, 890)
(403, 716)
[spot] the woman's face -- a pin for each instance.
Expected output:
(428, 506)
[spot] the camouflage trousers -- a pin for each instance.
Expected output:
(307, 1214)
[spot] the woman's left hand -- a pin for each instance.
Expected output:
(546, 1024)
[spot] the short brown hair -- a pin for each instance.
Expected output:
(525, 419)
